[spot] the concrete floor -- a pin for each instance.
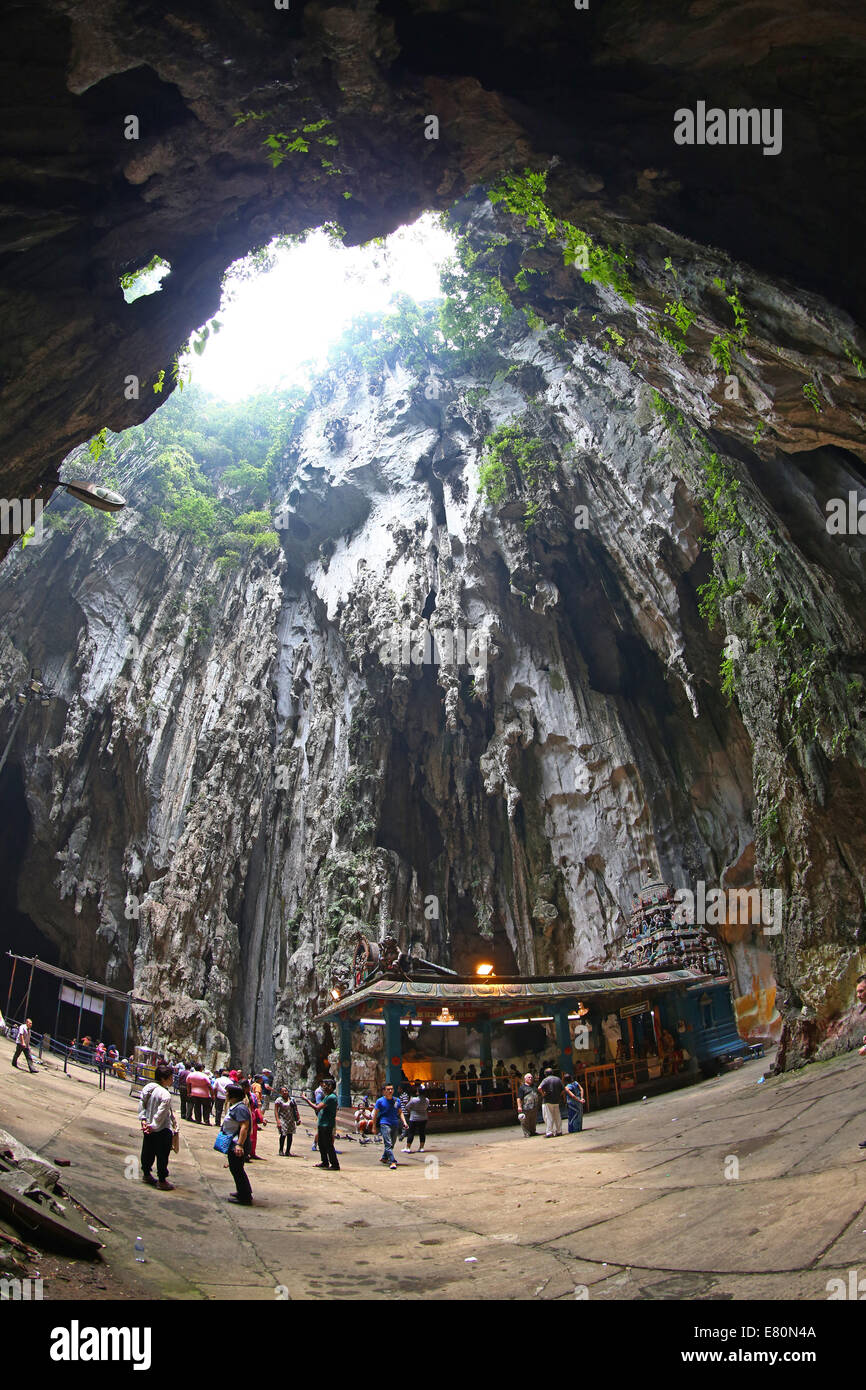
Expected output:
(640, 1206)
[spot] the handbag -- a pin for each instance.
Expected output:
(175, 1141)
(223, 1142)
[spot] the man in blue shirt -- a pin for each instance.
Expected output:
(388, 1119)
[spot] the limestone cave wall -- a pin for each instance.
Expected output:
(231, 776)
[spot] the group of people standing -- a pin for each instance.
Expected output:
(203, 1092)
(244, 1101)
(549, 1094)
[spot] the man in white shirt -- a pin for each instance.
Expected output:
(219, 1095)
(157, 1128)
(23, 1045)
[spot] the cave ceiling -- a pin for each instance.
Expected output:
(589, 94)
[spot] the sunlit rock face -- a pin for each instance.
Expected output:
(239, 771)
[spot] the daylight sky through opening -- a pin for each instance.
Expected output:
(278, 322)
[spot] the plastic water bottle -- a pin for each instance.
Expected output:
(139, 1251)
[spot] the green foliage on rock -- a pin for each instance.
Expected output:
(525, 196)
(280, 144)
(206, 468)
(144, 280)
(514, 459)
(96, 446)
(374, 342)
(724, 343)
(810, 391)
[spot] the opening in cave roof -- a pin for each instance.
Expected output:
(285, 305)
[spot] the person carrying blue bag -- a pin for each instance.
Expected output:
(233, 1140)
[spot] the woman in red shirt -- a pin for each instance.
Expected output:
(258, 1119)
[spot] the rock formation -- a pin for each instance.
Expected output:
(133, 132)
(239, 766)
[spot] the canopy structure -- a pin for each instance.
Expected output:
(402, 1002)
(84, 990)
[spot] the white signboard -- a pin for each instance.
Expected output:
(92, 1002)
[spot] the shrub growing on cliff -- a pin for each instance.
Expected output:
(724, 343)
(525, 195)
(194, 515)
(251, 531)
(512, 455)
(189, 504)
(374, 341)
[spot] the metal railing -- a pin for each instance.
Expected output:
(76, 1056)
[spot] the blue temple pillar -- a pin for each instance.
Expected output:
(393, 1056)
(344, 1094)
(563, 1037)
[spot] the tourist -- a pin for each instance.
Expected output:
(575, 1101)
(22, 1044)
(364, 1120)
(472, 1090)
(527, 1105)
(326, 1109)
(237, 1124)
(219, 1095)
(180, 1082)
(388, 1121)
(158, 1126)
(199, 1095)
(258, 1121)
(449, 1086)
(550, 1091)
(287, 1118)
(461, 1087)
(417, 1112)
(318, 1097)
(267, 1089)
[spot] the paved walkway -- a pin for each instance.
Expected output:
(730, 1189)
